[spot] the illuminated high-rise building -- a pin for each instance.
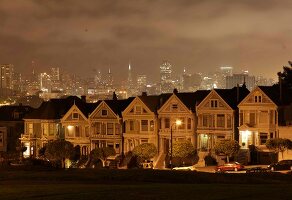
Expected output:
(221, 76)
(239, 79)
(141, 83)
(130, 84)
(45, 82)
(166, 84)
(55, 74)
(6, 74)
(109, 79)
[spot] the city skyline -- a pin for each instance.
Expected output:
(195, 35)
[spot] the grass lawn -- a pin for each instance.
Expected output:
(141, 184)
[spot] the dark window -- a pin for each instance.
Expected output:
(167, 123)
(104, 112)
(75, 116)
(263, 138)
(174, 106)
(189, 123)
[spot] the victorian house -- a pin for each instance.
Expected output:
(179, 106)
(11, 126)
(141, 122)
(106, 124)
(218, 117)
(258, 117)
(44, 124)
(76, 125)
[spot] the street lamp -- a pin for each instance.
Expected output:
(177, 123)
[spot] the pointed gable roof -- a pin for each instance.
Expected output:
(192, 99)
(154, 102)
(57, 108)
(230, 95)
(118, 106)
(7, 112)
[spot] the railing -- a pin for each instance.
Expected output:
(105, 136)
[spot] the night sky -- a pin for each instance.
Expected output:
(200, 35)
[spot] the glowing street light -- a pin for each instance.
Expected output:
(177, 123)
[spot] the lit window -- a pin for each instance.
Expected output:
(151, 125)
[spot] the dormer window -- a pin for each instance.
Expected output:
(214, 103)
(75, 115)
(103, 112)
(257, 98)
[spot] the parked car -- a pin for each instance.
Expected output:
(185, 168)
(281, 165)
(235, 166)
(256, 170)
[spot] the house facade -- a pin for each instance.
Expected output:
(44, 125)
(141, 122)
(258, 118)
(76, 126)
(106, 124)
(217, 117)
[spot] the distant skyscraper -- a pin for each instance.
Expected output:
(130, 84)
(109, 80)
(55, 74)
(98, 78)
(221, 76)
(239, 79)
(6, 74)
(45, 82)
(142, 83)
(166, 84)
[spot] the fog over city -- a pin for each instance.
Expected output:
(201, 36)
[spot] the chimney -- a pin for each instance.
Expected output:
(175, 91)
(83, 98)
(144, 94)
(115, 96)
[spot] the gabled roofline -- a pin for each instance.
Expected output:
(251, 93)
(169, 99)
(132, 102)
(70, 110)
(103, 102)
(205, 99)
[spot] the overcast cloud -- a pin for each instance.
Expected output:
(200, 35)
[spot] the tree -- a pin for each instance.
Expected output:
(102, 154)
(227, 147)
(59, 150)
(182, 149)
(145, 151)
(279, 145)
(286, 76)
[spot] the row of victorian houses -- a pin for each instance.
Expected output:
(207, 117)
